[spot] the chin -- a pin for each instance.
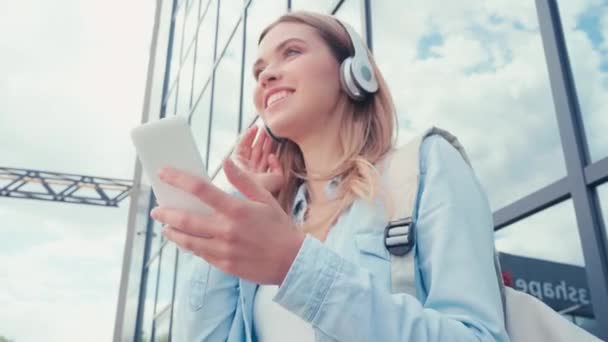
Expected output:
(281, 123)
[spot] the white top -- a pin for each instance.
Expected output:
(274, 323)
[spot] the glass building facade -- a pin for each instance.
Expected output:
(521, 83)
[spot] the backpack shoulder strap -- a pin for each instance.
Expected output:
(403, 175)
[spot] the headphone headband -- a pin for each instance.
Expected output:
(357, 75)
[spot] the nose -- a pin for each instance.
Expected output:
(268, 75)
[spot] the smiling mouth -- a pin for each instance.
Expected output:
(278, 97)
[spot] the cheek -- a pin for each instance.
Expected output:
(323, 86)
(257, 98)
(324, 77)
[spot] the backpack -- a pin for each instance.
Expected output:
(526, 317)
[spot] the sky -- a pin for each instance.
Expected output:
(72, 85)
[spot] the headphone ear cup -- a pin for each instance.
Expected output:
(348, 82)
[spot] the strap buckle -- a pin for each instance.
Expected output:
(399, 236)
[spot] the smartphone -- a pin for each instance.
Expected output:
(169, 142)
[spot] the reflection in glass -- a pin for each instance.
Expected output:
(584, 25)
(350, 12)
(221, 181)
(227, 91)
(176, 52)
(479, 72)
(322, 6)
(204, 48)
(185, 85)
(191, 24)
(171, 101)
(602, 193)
(157, 237)
(260, 14)
(551, 234)
(160, 59)
(167, 273)
(230, 11)
(200, 124)
(150, 301)
(161, 333)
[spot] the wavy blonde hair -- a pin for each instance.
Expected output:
(368, 131)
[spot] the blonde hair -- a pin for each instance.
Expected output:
(368, 131)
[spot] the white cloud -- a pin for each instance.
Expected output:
(486, 81)
(73, 84)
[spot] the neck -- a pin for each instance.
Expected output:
(322, 152)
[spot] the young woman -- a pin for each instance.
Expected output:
(298, 254)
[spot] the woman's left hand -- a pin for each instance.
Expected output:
(250, 238)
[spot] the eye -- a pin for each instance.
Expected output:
(291, 51)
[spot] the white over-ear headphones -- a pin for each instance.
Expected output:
(356, 72)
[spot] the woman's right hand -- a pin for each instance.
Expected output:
(260, 159)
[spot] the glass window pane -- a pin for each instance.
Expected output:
(322, 6)
(185, 85)
(230, 11)
(191, 24)
(350, 12)
(199, 123)
(221, 181)
(585, 25)
(542, 255)
(479, 72)
(167, 273)
(602, 193)
(551, 234)
(136, 264)
(259, 15)
(150, 301)
(157, 237)
(176, 52)
(158, 75)
(171, 101)
(163, 321)
(226, 102)
(204, 48)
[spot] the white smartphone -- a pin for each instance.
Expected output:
(169, 142)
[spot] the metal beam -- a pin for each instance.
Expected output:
(576, 155)
(63, 187)
(535, 202)
(597, 173)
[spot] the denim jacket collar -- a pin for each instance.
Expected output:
(300, 203)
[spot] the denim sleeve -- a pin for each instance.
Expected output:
(455, 258)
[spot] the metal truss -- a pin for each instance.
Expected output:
(63, 187)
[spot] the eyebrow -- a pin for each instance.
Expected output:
(277, 48)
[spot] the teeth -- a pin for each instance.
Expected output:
(277, 96)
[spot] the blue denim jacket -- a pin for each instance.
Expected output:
(342, 286)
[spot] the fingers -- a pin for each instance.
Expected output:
(206, 248)
(244, 183)
(202, 189)
(206, 227)
(274, 165)
(256, 152)
(243, 148)
(266, 148)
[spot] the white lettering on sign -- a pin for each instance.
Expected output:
(560, 291)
